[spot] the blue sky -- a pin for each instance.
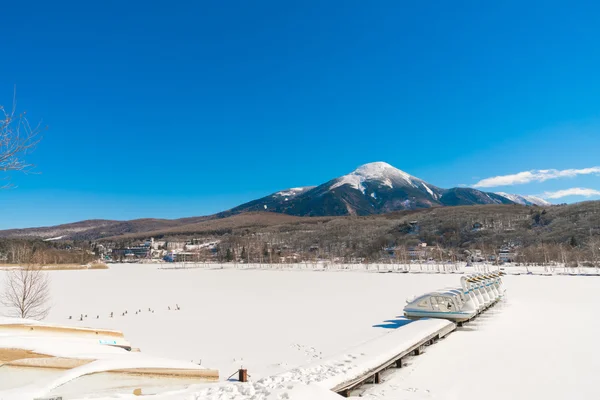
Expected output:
(172, 109)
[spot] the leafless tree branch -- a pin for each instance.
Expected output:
(26, 293)
(18, 138)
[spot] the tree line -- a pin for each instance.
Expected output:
(24, 252)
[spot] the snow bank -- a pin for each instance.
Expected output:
(18, 321)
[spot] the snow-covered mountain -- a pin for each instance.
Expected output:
(382, 175)
(373, 188)
(525, 200)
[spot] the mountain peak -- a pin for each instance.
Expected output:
(379, 171)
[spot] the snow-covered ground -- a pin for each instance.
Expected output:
(266, 321)
(540, 343)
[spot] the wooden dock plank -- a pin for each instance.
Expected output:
(371, 373)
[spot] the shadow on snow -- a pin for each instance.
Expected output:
(393, 323)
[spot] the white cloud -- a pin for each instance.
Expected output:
(539, 175)
(571, 192)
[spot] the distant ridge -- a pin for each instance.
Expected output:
(374, 188)
(525, 200)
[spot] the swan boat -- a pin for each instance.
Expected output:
(477, 293)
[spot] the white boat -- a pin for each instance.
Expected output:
(43, 361)
(493, 282)
(476, 294)
(443, 304)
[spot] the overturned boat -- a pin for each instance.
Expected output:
(48, 361)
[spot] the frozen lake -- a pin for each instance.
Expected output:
(267, 321)
(540, 343)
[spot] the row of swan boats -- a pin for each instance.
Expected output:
(477, 293)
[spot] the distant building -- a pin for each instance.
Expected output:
(199, 245)
(417, 253)
(141, 251)
(507, 255)
(175, 245)
(158, 244)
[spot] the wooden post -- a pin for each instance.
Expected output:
(399, 363)
(243, 375)
(377, 379)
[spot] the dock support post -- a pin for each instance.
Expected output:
(377, 378)
(243, 375)
(419, 350)
(399, 363)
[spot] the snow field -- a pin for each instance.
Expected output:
(265, 321)
(540, 343)
(286, 327)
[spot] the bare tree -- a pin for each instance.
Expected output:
(17, 139)
(594, 247)
(26, 293)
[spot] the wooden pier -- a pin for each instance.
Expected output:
(373, 370)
